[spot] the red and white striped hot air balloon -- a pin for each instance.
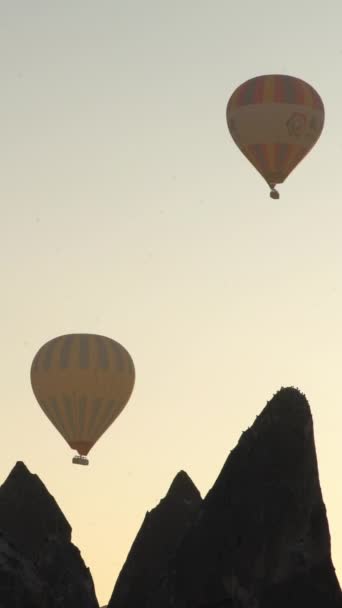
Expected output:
(275, 120)
(82, 382)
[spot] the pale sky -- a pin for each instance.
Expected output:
(128, 211)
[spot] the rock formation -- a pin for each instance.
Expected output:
(157, 539)
(36, 540)
(20, 583)
(261, 537)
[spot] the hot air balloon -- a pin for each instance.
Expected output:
(82, 382)
(275, 120)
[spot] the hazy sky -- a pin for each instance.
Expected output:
(128, 211)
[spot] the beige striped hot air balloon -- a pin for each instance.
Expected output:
(275, 120)
(82, 382)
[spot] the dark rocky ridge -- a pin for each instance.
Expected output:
(20, 583)
(157, 539)
(29, 514)
(259, 539)
(261, 536)
(36, 540)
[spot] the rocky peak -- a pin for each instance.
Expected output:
(34, 526)
(157, 540)
(182, 489)
(29, 514)
(262, 536)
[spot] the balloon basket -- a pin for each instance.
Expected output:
(80, 460)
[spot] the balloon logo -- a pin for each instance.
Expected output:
(275, 120)
(82, 382)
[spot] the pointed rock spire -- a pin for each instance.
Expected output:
(157, 540)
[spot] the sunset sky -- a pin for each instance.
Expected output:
(128, 211)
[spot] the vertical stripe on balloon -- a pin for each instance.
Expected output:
(268, 89)
(103, 352)
(88, 414)
(118, 356)
(48, 352)
(84, 351)
(111, 410)
(306, 95)
(81, 409)
(279, 92)
(258, 90)
(60, 424)
(70, 415)
(288, 93)
(270, 154)
(281, 151)
(95, 417)
(248, 93)
(64, 359)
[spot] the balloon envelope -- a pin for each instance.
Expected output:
(82, 382)
(275, 120)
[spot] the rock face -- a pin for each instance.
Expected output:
(157, 539)
(20, 583)
(37, 535)
(261, 537)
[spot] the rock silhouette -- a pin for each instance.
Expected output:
(47, 569)
(20, 582)
(157, 539)
(261, 537)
